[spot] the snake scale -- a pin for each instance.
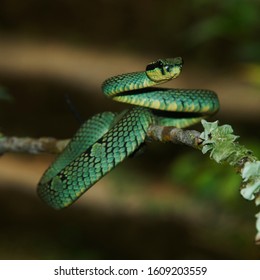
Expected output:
(108, 138)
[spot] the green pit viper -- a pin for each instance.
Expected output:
(106, 139)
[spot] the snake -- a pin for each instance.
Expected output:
(108, 138)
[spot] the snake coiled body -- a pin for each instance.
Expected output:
(107, 138)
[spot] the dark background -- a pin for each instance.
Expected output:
(171, 202)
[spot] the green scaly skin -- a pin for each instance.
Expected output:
(107, 138)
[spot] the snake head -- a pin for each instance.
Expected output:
(164, 70)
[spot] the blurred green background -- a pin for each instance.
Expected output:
(171, 202)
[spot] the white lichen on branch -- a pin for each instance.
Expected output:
(224, 148)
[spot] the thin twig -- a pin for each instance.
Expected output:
(56, 146)
(175, 135)
(32, 145)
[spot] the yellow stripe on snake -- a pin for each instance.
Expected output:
(106, 139)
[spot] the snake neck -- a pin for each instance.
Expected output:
(126, 82)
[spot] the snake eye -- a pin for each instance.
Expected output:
(167, 68)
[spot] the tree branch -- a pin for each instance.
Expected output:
(31, 145)
(175, 135)
(54, 146)
(219, 141)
